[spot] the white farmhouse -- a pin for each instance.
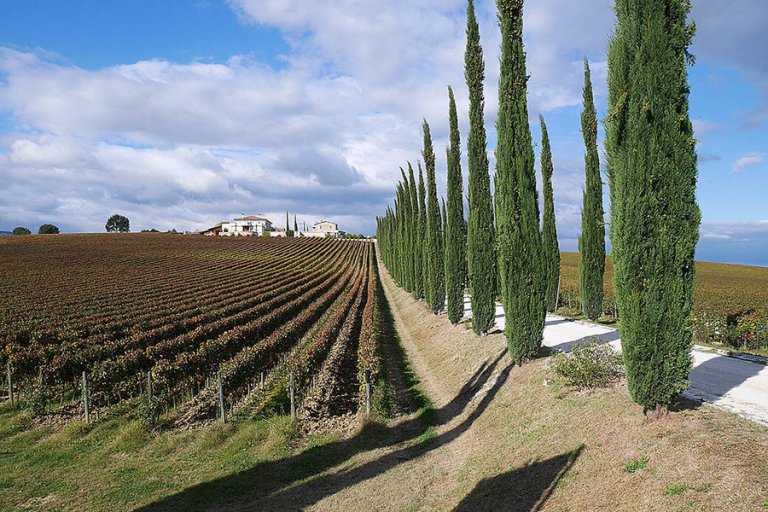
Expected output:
(323, 229)
(247, 226)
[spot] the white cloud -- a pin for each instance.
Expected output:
(747, 160)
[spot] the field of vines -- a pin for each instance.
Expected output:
(730, 303)
(175, 323)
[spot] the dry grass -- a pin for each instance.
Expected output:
(719, 459)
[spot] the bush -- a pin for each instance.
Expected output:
(48, 229)
(149, 412)
(37, 400)
(590, 365)
(21, 231)
(569, 312)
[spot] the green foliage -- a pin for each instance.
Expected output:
(21, 231)
(635, 465)
(37, 400)
(519, 241)
(592, 239)
(433, 249)
(118, 224)
(415, 241)
(148, 412)
(48, 229)
(675, 489)
(652, 178)
(589, 365)
(455, 237)
(481, 235)
(548, 227)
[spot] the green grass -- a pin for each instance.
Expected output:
(114, 464)
(675, 489)
(635, 465)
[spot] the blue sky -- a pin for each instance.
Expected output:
(183, 113)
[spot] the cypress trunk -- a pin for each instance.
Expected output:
(519, 241)
(652, 178)
(455, 250)
(548, 227)
(481, 236)
(592, 239)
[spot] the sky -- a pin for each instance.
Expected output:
(183, 113)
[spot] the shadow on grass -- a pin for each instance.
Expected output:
(522, 489)
(304, 479)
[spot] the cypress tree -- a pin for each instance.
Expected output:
(521, 252)
(295, 225)
(422, 241)
(408, 278)
(592, 239)
(548, 227)
(455, 250)
(415, 253)
(435, 284)
(481, 236)
(652, 178)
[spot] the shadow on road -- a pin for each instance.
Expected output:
(522, 489)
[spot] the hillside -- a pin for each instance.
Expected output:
(493, 437)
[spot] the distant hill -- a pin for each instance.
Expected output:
(5, 233)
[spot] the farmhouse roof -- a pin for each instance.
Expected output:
(252, 217)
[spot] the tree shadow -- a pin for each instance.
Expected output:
(717, 376)
(304, 479)
(607, 337)
(522, 489)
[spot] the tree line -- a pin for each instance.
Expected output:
(507, 248)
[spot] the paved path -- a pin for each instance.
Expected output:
(731, 384)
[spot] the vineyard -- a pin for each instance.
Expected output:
(730, 301)
(189, 328)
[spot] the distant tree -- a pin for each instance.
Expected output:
(592, 239)
(455, 237)
(21, 231)
(421, 293)
(118, 224)
(48, 229)
(435, 269)
(481, 237)
(548, 228)
(295, 225)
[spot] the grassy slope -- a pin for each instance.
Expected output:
(509, 440)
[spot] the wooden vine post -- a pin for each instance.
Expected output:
(86, 406)
(10, 383)
(222, 406)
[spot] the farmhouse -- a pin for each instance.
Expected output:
(323, 229)
(251, 225)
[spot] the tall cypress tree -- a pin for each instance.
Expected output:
(592, 239)
(435, 284)
(422, 242)
(409, 278)
(481, 236)
(521, 252)
(652, 178)
(295, 224)
(455, 250)
(548, 227)
(415, 242)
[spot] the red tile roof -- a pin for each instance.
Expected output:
(252, 217)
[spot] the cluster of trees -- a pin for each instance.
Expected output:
(507, 248)
(45, 229)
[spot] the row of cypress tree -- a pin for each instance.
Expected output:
(504, 250)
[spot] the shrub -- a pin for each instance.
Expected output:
(675, 489)
(148, 412)
(569, 312)
(590, 365)
(20, 230)
(48, 229)
(37, 400)
(635, 465)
